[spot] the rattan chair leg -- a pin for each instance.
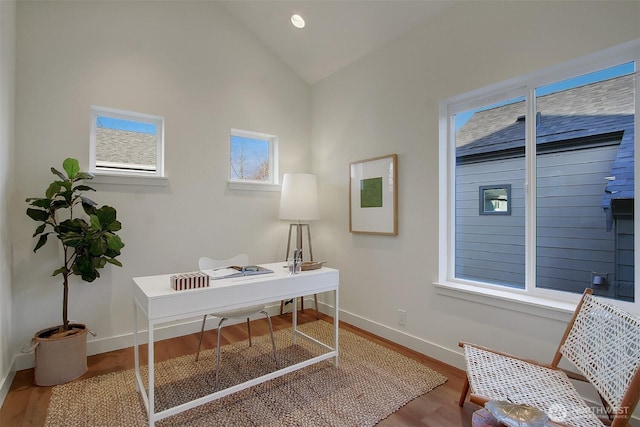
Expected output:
(464, 392)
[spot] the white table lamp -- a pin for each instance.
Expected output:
(299, 203)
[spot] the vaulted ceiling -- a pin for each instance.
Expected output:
(337, 32)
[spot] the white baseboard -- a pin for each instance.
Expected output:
(97, 345)
(433, 350)
(5, 384)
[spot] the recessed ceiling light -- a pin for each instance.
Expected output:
(297, 21)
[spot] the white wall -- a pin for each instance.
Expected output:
(387, 103)
(7, 76)
(190, 62)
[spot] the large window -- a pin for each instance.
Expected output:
(126, 143)
(551, 158)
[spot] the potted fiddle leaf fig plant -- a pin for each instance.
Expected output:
(89, 241)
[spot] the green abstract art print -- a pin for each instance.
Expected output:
(371, 192)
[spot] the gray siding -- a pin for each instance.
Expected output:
(572, 240)
(490, 247)
(625, 259)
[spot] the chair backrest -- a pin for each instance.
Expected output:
(206, 263)
(604, 344)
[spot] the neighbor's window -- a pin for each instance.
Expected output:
(566, 146)
(495, 200)
(253, 157)
(126, 143)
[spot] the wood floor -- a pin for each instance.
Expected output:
(26, 404)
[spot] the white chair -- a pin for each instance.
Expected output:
(243, 313)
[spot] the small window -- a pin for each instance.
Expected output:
(253, 157)
(495, 200)
(126, 143)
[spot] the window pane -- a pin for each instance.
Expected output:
(490, 175)
(584, 184)
(125, 144)
(250, 159)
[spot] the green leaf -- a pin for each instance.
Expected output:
(85, 175)
(115, 226)
(114, 262)
(71, 166)
(58, 203)
(76, 225)
(37, 214)
(41, 242)
(54, 188)
(94, 220)
(99, 263)
(98, 247)
(57, 172)
(90, 276)
(89, 209)
(59, 271)
(84, 267)
(40, 229)
(65, 191)
(72, 239)
(114, 242)
(39, 202)
(83, 188)
(107, 215)
(87, 201)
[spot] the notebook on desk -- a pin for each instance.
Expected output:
(236, 271)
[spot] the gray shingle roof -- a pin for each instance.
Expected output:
(592, 110)
(123, 146)
(588, 110)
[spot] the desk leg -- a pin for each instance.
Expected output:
(151, 369)
(294, 319)
(336, 327)
(136, 356)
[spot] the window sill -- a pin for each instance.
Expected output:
(253, 186)
(534, 305)
(154, 181)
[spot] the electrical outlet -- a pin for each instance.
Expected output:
(402, 317)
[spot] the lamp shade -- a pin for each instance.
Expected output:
(299, 197)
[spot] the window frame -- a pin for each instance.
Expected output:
(481, 200)
(273, 184)
(121, 174)
(531, 296)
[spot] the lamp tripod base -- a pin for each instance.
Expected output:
(298, 227)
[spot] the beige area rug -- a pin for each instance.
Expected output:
(370, 383)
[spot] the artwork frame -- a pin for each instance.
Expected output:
(373, 196)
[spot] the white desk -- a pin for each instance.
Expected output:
(153, 296)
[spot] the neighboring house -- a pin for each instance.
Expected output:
(584, 191)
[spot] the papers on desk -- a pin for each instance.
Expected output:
(236, 271)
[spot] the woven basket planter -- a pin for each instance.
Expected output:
(60, 359)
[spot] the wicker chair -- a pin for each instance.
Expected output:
(602, 342)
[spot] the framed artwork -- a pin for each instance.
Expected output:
(373, 196)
